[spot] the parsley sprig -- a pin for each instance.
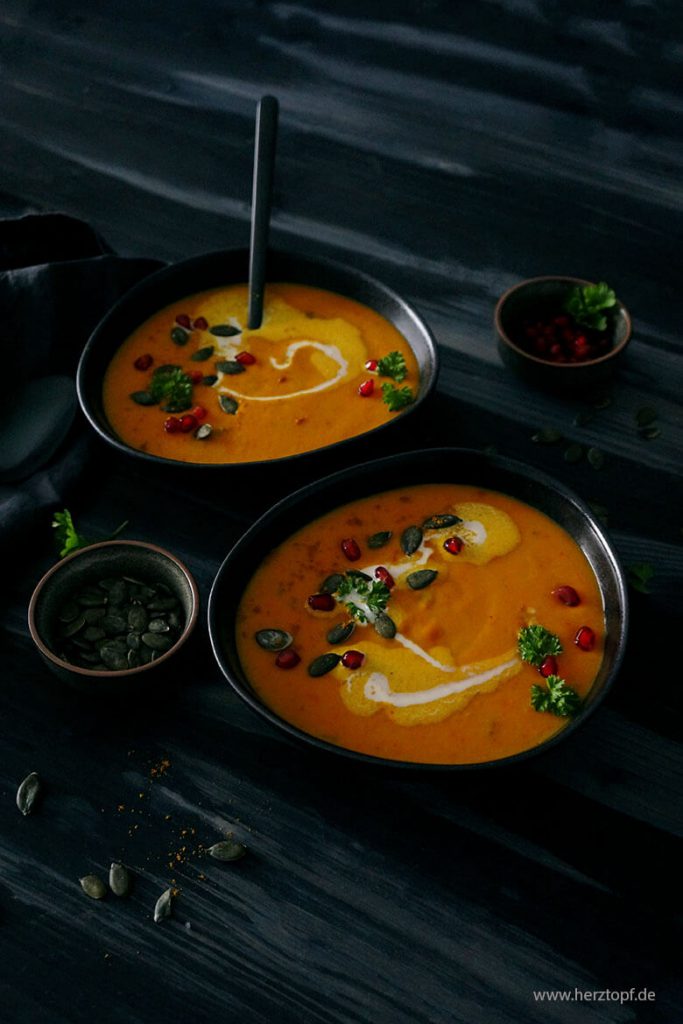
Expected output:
(374, 594)
(397, 398)
(587, 304)
(535, 643)
(393, 365)
(68, 538)
(173, 387)
(556, 697)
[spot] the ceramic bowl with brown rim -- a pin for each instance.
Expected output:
(112, 613)
(541, 342)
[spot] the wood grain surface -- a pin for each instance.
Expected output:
(451, 149)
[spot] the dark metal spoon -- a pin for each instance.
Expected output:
(262, 189)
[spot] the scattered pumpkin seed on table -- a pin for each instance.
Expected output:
(163, 906)
(119, 879)
(227, 849)
(27, 793)
(93, 887)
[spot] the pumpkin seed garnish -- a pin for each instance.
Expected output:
(228, 403)
(358, 574)
(119, 879)
(546, 435)
(323, 664)
(273, 639)
(441, 522)
(227, 850)
(385, 626)
(156, 641)
(210, 380)
(229, 366)
(574, 453)
(224, 330)
(27, 793)
(179, 336)
(340, 633)
(411, 538)
(163, 906)
(202, 354)
(144, 398)
(421, 579)
(378, 540)
(331, 583)
(93, 887)
(203, 432)
(596, 458)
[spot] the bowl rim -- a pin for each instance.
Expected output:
(505, 338)
(124, 673)
(497, 461)
(427, 381)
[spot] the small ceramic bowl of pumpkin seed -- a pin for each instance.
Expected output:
(112, 611)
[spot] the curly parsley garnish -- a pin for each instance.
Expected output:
(397, 398)
(556, 697)
(173, 387)
(374, 594)
(393, 365)
(535, 643)
(68, 538)
(587, 303)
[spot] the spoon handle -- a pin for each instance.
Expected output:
(262, 188)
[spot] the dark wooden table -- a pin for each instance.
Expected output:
(451, 150)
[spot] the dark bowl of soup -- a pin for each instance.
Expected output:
(437, 609)
(172, 374)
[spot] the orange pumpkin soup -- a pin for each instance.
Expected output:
(193, 384)
(399, 626)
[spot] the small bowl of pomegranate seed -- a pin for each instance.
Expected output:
(562, 332)
(113, 613)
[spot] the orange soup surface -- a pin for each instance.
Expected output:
(193, 384)
(428, 666)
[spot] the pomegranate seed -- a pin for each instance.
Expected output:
(454, 545)
(200, 324)
(196, 376)
(567, 595)
(366, 388)
(143, 362)
(287, 659)
(561, 321)
(555, 350)
(548, 666)
(184, 321)
(187, 423)
(350, 549)
(199, 412)
(172, 425)
(371, 365)
(352, 659)
(585, 638)
(245, 358)
(321, 602)
(384, 576)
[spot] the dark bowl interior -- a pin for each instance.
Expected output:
(441, 465)
(213, 270)
(144, 562)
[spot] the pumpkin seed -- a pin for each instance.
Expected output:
(385, 626)
(119, 879)
(229, 366)
(209, 380)
(91, 598)
(574, 453)
(144, 398)
(162, 604)
(341, 632)
(228, 404)
(74, 627)
(93, 633)
(331, 583)
(133, 641)
(138, 618)
(228, 849)
(378, 540)
(89, 658)
(179, 336)
(546, 435)
(158, 626)
(224, 330)
(118, 593)
(177, 405)
(93, 887)
(115, 659)
(114, 625)
(156, 641)
(596, 458)
(440, 522)
(163, 906)
(202, 354)
(201, 433)
(323, 664)
(421, 579)
(411, 538)
(69, 612)
(133, 658)
(93, 615)
(273, 639)
(27, 793)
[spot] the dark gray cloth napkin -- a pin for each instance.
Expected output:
(57, 279)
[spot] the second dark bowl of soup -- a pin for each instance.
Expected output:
(173, 375)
